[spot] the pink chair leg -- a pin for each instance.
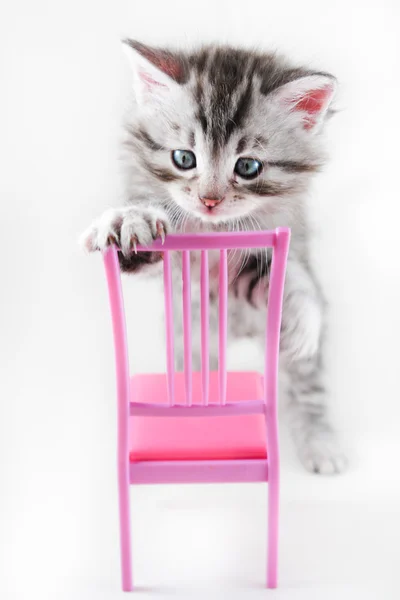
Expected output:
(125, 530)
(273, 526)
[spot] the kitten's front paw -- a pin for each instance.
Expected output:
(322, 455)
(127, 227)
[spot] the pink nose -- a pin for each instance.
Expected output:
(210, 202)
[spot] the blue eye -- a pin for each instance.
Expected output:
(248, 168)
(184, 159)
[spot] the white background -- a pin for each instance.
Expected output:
(62, 91)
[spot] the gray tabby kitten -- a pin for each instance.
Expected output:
(228, 139)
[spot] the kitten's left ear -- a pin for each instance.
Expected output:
(156, 72)
(308, 98)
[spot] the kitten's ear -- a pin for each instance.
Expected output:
(308, 98)
(156, 72)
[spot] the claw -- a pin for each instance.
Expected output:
(161, 232)
(135, 241)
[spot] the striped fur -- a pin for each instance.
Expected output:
(223, 103)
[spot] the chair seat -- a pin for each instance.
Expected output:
(155, 438)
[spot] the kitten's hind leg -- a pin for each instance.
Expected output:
(313, 434)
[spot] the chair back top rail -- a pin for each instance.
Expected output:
(215, 241)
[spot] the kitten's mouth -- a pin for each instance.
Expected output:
(210, 214)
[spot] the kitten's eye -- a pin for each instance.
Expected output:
(248, 168)
(184, 159)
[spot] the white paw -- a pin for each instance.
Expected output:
(323, 456)
(301, 333)
(126, 227)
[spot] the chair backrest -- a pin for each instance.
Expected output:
(278, 240)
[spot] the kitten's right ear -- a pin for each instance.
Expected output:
(156, 72)
(307, 98)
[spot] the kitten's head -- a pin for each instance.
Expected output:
(225, 133)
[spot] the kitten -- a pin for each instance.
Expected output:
(228, 139)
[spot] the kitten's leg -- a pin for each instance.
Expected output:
(313, 435)
(302, 350)
(128, 227)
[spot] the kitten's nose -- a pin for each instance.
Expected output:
(210, 202)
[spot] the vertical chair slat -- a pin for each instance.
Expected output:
(223, 316)
(169, 325)
(187, 325)
(205, 299)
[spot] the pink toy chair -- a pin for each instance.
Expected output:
(199, 427)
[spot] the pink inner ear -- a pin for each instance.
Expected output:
(167, 64)
(171, 68)
(312, 102)
(149, 81)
